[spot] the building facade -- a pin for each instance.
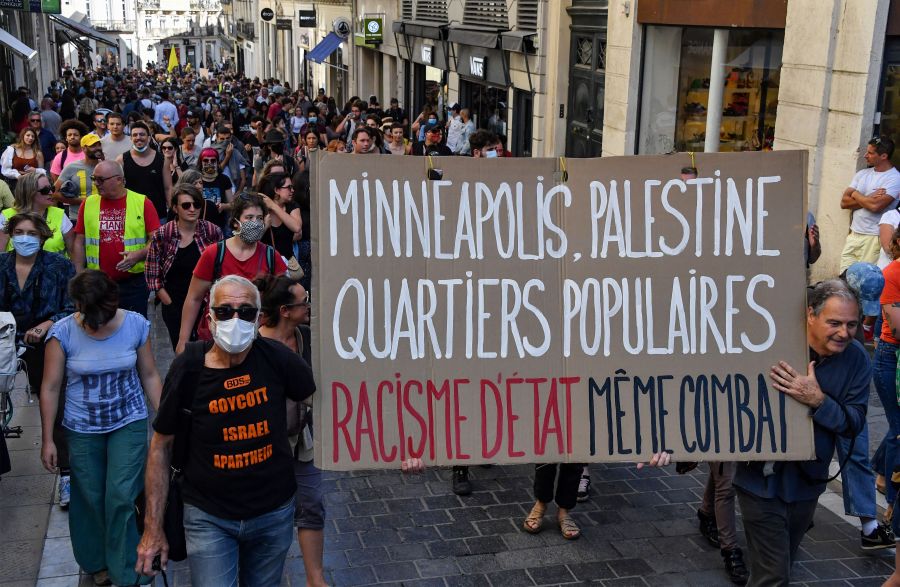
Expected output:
(195, 29)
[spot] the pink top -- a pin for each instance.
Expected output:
(56, 166)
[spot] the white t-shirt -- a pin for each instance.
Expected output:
(865, 182)
(891, 217)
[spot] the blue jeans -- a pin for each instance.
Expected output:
(857, 477)
(133, 294)
(884, 373)
(220, 551)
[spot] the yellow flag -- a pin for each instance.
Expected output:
(173, 59)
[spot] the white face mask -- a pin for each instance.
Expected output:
(233, 336)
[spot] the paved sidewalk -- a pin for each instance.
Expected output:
(639, 528)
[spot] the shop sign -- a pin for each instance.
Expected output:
(267, 14)
(306, 18)
(476, 66)
(44, 6)
(594, 317)
(284, 24)
(427, 58)
(373, 30)
(341, 27)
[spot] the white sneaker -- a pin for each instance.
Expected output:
(584, 487)
(65, 491)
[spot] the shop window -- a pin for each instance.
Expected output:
(676, 88)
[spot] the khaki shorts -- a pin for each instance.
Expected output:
(860, 247)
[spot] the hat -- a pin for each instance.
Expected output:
(455, 107)
(89, 139)
(868, 281)
(209, 152)
(273, 137)
(433, 127)
(192, 114)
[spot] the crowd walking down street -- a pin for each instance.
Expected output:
(156, 292)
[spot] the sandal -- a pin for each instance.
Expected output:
(568, 528)
(535, 521)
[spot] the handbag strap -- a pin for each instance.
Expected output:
(187, 385)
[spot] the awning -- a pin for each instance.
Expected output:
(326, 47)
(420, 28)
(83, 30)
(20, 48)
(63, 37)
(518, 41)
(474, 36)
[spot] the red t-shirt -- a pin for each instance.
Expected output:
(112, 232)
(890, 295)
(251, 268)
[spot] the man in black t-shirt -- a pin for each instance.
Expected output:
(432, 147)
(238, 484)
(216, 188)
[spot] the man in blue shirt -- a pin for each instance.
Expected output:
(778, 500)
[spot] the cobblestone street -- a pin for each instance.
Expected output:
(639, 528)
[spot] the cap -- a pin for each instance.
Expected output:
(868, 281)
(192, 114)
(89, 139)
(209, 152)
(454, 107)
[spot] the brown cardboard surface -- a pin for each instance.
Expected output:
(582, 330)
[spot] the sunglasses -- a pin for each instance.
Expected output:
(189, 205)
(103, 120)
(245, 313)
(46, 190)
(35, 120)
(168, 148)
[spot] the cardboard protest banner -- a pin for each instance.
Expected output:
(545, 310)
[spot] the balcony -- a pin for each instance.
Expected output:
(148, 4)
(121, 26)
(205, 5)
(246, 30)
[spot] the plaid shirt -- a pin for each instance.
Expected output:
(164, 245)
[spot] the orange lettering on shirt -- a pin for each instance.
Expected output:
(236, 382)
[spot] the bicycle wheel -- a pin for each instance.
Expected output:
(6, 409)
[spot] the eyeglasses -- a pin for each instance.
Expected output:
(46, 190)
(287, 187)
(189, 205)
(99, 180)
(168, 148)
(245, 313)
(305, 303)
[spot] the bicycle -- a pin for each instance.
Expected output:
(9, 373)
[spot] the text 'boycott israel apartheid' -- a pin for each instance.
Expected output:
(511, 312)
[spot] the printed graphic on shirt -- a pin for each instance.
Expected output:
(242, 404)
(212, 194)
(112, 225)
(109, 397)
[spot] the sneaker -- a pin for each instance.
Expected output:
(708, 528)
(101, 578)
(65, 491)
(584, 487)
(881, 537)
(461, 484)
(735, 567)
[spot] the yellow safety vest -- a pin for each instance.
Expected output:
(135, 230)
(55, 243)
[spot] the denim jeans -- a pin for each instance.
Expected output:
(220, 551)
(133, 294)
(107, 474)
(857, 477)
(883, 374)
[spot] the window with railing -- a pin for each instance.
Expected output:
(486, 13)
(431, 10)
(527, 15)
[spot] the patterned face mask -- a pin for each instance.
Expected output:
(252, 231)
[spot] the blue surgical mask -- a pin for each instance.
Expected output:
(313, 119)
(490, 154)
(432, 120)
(141, 149)
(26, 244)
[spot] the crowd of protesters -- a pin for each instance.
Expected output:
(125, 188)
